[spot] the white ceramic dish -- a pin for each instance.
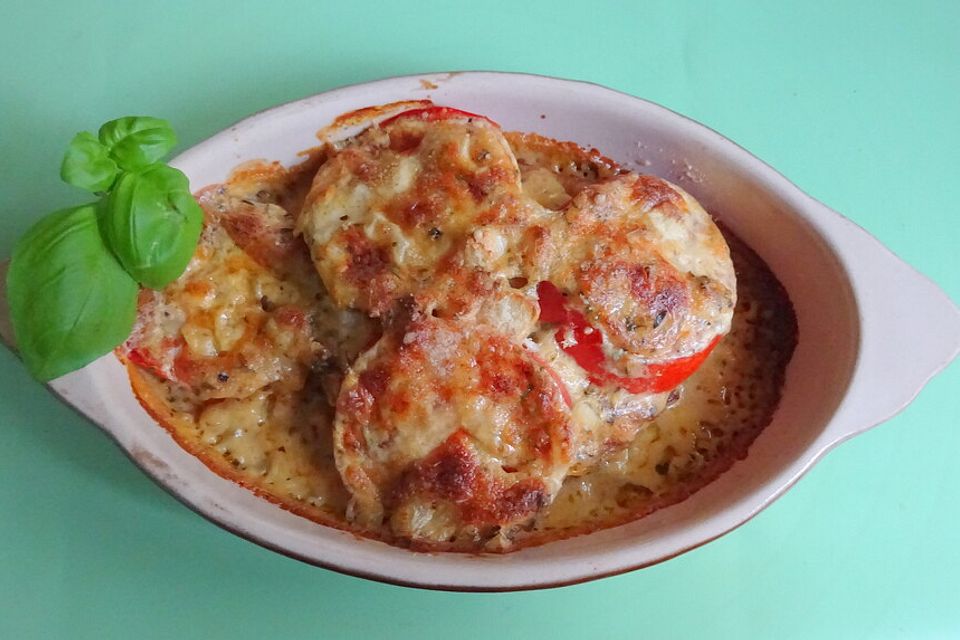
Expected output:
(872, 331)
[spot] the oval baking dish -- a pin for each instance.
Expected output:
(872, 332)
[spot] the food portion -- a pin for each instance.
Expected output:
(390, 208)
(646, 267)
(444, 431)
(228, 326)
(451, 337)
(634, 282)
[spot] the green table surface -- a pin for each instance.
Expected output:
(856, 102)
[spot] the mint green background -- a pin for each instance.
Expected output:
(855, 103)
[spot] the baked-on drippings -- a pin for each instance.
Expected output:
(454, 338)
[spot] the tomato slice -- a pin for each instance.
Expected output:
(144, 360)
(584, 343)
(150, 359)
(433, 114)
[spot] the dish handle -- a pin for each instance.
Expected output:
(909, 329)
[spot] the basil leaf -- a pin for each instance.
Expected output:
(152, 223)
(87, 164)
(137, 141)
(70, 300)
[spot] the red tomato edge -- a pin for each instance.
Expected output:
(433, 114)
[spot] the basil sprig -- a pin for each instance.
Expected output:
(72, 281)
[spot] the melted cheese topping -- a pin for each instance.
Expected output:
(447, 433)
(384, 213)
(283, 448)
(227, 327)
(439, 437)
(645, 264)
